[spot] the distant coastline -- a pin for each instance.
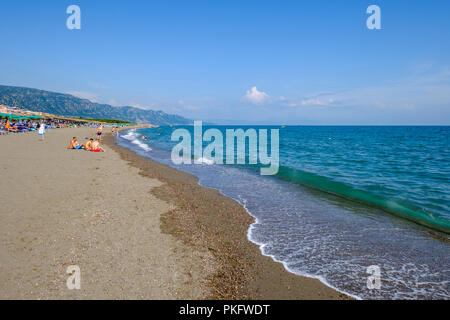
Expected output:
(70, 106)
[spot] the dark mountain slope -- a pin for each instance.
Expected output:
(70, 106)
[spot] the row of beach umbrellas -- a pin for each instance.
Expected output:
(14, 117)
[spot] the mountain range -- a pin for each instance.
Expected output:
(70, 106)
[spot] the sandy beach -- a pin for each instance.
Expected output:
(136, 228)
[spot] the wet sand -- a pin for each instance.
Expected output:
(136, 228)
(207, 221)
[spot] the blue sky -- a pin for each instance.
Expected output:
(289, 62)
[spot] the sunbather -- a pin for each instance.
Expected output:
(88, 145)
(96, 146)
(75, 145)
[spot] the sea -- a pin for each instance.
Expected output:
(352, 206)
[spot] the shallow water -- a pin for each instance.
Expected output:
(334, 236)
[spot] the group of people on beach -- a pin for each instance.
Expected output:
(92, 145)
(8, 125)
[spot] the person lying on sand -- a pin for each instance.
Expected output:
(74, 144)
(71, 143)
(88, 145)
(96, 146)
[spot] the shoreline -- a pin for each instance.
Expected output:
(137, 229)
(221, 225)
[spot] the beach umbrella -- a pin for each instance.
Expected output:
(14, 117)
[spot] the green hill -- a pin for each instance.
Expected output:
(71, 106)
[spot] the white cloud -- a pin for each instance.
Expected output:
(191, 107)
(317, 102)
(324, 99)
(84, 95)
(97, 85)
(114, 103)
(428, 89)
(256, 97)
(139, 106)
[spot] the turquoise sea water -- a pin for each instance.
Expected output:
(403, 170)
(344, 198)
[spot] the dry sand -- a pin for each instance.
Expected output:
(64, 207)
(136, 228)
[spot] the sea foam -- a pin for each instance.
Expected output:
(132, 136)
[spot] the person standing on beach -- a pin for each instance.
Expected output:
(116, 131)
(41, 131)
(99, 132)
(7, 125)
